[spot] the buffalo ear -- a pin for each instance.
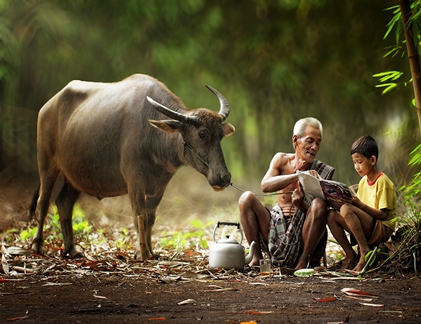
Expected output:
(170, 126)
(228, 129)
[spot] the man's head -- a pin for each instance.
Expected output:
(307, 138)
(301, 125)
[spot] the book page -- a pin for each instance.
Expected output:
(311, 185)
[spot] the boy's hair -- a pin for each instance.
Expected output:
(365, 145)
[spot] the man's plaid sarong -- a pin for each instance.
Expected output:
(285, 241)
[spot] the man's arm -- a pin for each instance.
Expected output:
(275, 179)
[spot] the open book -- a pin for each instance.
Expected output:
(332, 191)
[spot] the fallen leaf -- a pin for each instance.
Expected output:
(327, 299)
(57, 284)
(10, 280)
(17, 318)
(15, 250)
(360, 298)
(187, 301)
(356, 292)
(254, 312)
(222, 289)
(4, 264)
(374, 305)
(23, 269)
(170, 279)
(100, 297)
(157, 319)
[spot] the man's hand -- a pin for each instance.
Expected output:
(298, 198)
(314, 174)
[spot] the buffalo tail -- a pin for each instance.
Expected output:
(33, 205)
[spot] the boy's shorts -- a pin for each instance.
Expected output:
(380, 232)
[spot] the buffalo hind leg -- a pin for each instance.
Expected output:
(65, 202)
(46, 187)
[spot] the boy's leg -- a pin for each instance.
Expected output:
(359, 223)
(337, 225)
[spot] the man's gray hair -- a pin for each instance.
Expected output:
(301, 125)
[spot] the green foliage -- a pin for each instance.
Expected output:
(386, 78)
(275, 61)
(412, 191)
(123, 240)
(193, 237)
(52, 227)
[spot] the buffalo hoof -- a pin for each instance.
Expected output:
(36, 247)
(149, 256)
(73, 254)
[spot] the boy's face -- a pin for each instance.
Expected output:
(363, 165)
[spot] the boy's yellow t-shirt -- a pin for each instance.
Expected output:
(379, 195)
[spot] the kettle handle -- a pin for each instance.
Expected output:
(228, 224)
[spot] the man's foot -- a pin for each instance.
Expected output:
(255, 261)
(301, 265)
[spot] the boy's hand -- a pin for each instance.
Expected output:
(353, 201)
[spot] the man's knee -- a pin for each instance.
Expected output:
(246, 199)
(318, 209)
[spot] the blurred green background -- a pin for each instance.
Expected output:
(275, 62)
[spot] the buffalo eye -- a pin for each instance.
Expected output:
(203, 135)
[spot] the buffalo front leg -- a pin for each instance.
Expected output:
(137, 199)
(141, 239)
(152, 203)
(65, 202)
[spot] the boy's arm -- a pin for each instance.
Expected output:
(373, 212)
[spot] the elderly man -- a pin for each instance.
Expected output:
(294, 231)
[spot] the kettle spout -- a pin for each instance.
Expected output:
(250, 255)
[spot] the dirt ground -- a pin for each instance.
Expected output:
(192, 297)
(53, 289)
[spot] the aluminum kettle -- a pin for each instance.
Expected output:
(228, 253)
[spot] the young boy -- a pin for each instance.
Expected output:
(370, 215)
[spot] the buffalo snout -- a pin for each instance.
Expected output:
(221, 182)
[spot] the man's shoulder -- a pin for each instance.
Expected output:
(283, 158)
(284, 155)
(326, 171)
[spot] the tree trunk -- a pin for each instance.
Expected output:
(414, 58)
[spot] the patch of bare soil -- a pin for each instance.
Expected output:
(151, 294)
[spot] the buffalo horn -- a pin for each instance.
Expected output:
(224, 110)
(171, 113)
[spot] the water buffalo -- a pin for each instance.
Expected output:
(111, 139)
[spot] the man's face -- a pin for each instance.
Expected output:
(308, 145)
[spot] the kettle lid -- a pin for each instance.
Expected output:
(227, 240)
